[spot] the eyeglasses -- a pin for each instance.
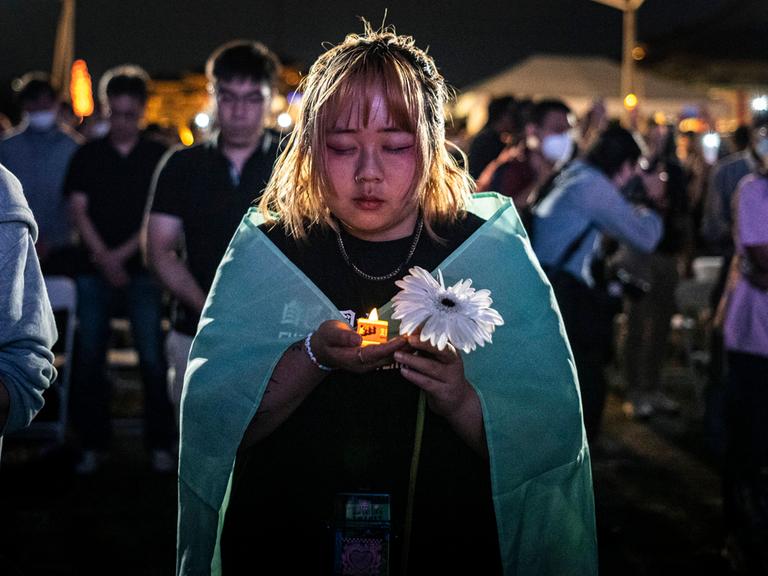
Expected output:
(230, 99)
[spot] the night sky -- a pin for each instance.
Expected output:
(470, 39)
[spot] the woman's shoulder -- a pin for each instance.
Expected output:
(289, 244)
(277, 234)
(753, 184)
(454, 233)
(468, 223)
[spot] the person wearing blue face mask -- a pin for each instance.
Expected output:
(38, 153)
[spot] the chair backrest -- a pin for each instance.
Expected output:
(62, 292)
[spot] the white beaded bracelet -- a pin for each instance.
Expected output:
(308, 348)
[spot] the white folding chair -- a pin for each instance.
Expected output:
(62, 293)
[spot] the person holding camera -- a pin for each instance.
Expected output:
(585, 206)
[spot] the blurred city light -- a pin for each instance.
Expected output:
(711, 140)
(80, 89)
(202, 120)
(284, 120)
(186, 136)
(291, 77)
(691, 125)
(710, 147)
(630, 101)
(638, 53)
(760, 104)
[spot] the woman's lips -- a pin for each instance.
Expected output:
(368, 203)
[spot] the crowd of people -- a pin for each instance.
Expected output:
(616, 219)
(614, 216)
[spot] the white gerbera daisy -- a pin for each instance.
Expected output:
(459, 314)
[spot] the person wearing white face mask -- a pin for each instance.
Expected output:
(38, 153)
(521, 170)
(557, 148)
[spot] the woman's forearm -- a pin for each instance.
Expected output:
(467, 422)
(292, 380)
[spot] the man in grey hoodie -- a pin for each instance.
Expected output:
(27, 327)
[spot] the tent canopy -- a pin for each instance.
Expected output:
(580, 76)
(579, 80)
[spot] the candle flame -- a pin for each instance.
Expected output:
(373, 316)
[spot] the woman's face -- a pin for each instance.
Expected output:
(372, 168)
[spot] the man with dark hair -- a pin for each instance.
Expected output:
(38, 153)
(108, 185)
(584, 206)
(499, 130)
(127, 80)
(520, 171)
(201, 193)
(742, 137)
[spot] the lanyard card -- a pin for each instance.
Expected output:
(361, 534)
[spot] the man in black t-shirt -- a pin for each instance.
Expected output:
(108, 184)
(201, 193)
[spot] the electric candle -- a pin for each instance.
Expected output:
(373, 330)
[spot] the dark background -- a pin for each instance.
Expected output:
(469, 39)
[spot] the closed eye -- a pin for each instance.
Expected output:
(341, 150)
(398, 149)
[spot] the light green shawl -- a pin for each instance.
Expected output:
(526, 380)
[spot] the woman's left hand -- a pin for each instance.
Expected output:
(439, 373)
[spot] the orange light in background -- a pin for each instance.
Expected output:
(186, 136)
(691, 125)
(292, 77)
(660, 118)
(630, 101)
(638, 53)
(80, 89)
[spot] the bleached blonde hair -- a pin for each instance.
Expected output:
(415, 93)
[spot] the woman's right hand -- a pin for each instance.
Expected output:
(335, 344)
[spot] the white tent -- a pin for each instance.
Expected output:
(579, 80)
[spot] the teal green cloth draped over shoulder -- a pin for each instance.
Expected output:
(526, 380)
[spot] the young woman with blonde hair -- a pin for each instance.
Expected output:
(304, 451)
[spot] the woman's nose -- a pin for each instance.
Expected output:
(369, 167)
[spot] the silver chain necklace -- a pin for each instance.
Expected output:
(396, 271)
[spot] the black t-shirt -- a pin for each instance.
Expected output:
(356, 433)
(117, 188)
(484, 149)
(198, 186)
